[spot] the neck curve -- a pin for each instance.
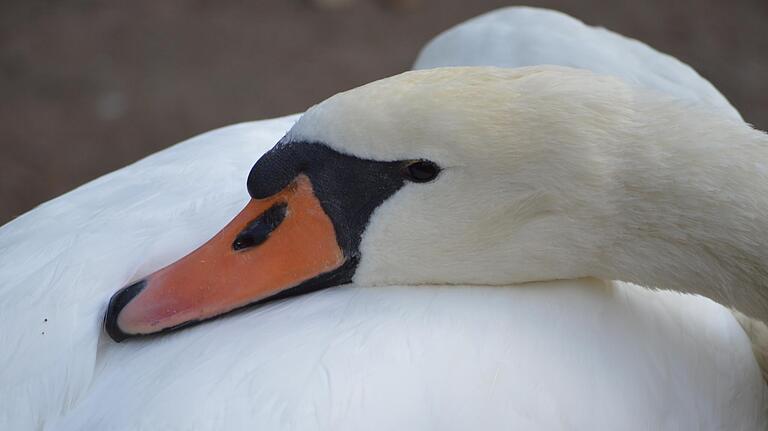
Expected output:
(691, 206)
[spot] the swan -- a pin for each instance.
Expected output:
(558, 354)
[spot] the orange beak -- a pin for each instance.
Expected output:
(274, 244)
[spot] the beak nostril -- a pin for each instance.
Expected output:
(257, 231)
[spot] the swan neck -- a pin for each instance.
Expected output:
(693, 210)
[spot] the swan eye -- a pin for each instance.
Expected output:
(422, 171)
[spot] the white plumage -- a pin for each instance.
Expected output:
(524, 36)
(558, 355)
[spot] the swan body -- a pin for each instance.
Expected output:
(533, 36)
(573, 354)
(558, 355)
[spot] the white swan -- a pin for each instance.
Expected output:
(557, 355)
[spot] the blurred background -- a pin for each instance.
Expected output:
(88, 86)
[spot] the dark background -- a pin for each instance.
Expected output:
(89, 86)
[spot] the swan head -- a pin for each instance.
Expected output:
(480, 176)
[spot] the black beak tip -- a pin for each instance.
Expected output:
(116, 304)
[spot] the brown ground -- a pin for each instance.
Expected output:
(88, 86)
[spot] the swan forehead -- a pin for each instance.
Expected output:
(449, 114)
